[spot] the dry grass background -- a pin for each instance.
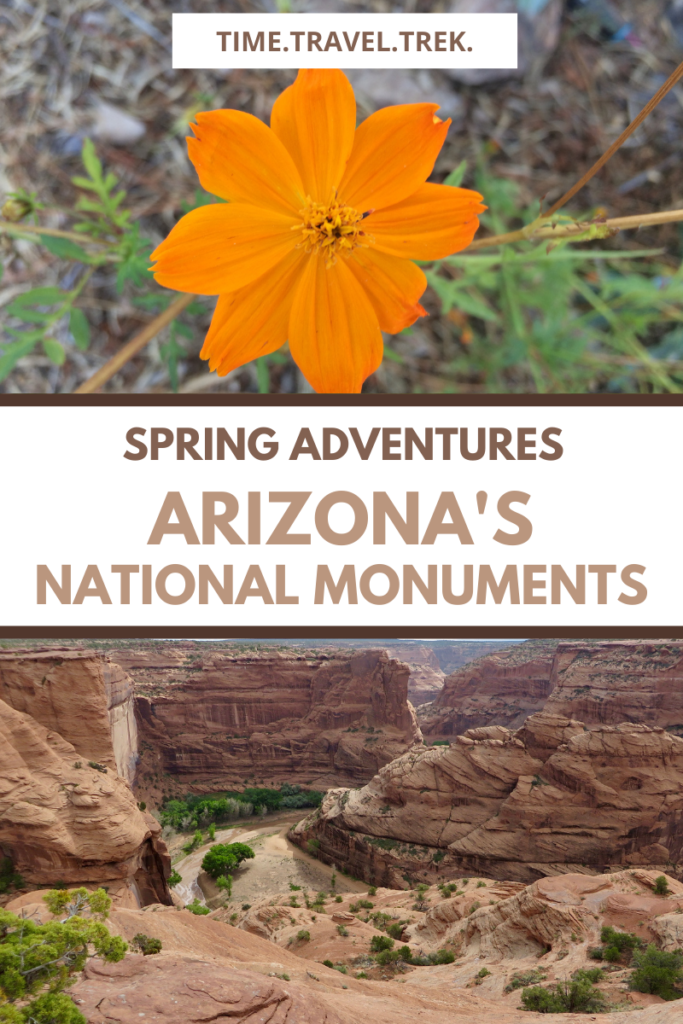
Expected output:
(61, 61)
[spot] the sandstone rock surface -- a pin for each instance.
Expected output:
(65, 820)
(599, 682)
(548, 798)
(274, 718)
(502, 688)
(81, 695)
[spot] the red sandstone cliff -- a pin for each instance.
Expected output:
(220, 720)
(79, 694)
(66, 818)
(550, 797)
(598, 681)
(502, 688)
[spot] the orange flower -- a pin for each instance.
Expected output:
(322, 220)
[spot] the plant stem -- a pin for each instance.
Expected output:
(34, 229)
(134, 346)
(548, 232)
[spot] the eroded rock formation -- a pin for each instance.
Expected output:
(502, 688)
(274, 718)
(66, 819)
(81, 695)
(550, 797)
(600, 682)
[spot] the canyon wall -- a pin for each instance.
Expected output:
(600, 682)
(222, 720)
(81, 695)
(67, 818)
(550, 797)
(619, 681)
(501, 688)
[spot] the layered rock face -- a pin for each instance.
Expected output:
(81, 695)
(600, 682)
(274, 718)
(63, 819)
(550, 797)
(616, 681)
(426, 675)
(502, 688)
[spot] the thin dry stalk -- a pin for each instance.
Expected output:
(135, 345)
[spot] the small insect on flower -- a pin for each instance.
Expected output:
(322, 220)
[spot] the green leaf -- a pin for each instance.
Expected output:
(262, 376)
(65, 248)
(454, 179)
(54, 351)
(171, 352)
(91, 161)
(30, 316)
(80, 329)
(38, 297)
(14, 352)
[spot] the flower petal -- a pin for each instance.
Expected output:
(392, 285)
(315, 118)
(393, 154)
(434, 222)
(220, 248)
(238, 158)
(334, 336)
(253, 321)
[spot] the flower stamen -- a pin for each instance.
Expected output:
(331, 229)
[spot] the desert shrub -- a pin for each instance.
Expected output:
(622, 940)
(212, 832)
(658, 972)
(361, 974)
(575, 996)
(593, 974)
(481, 885)
(294, 888)
(524, 978)
(395, 930)
(146, 944)
(388, 956)
(341, 968)
(338, 899)
(224, 883)
(378, 943)
(197, 840)
(483, 973)
(39, 961)
(225, 856)
(445, 956)
(342, 929)
(372, 891)
(313, 845)
(197, 908)
(661, 886)
(174, 878)
(303, 936)
(327, 963)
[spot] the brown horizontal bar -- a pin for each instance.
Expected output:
(353, 401)
(377, 634)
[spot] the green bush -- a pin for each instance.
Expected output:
(303, 936)
(39, 961)
(395, 930)
(224, 883)
(611, 954)
(327, 963)
(622, 940)
(223, 857)
(342, 930)
(378, 943)
(575, 996)
(661, 886)
(174, 878)
(524, 978)
(372, 891)
(445, 956)
(146, 944)
(197, 908)
(658, 972)
(338, 899)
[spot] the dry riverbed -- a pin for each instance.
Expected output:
(277, 862)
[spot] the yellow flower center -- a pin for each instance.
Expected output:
(331, 229)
